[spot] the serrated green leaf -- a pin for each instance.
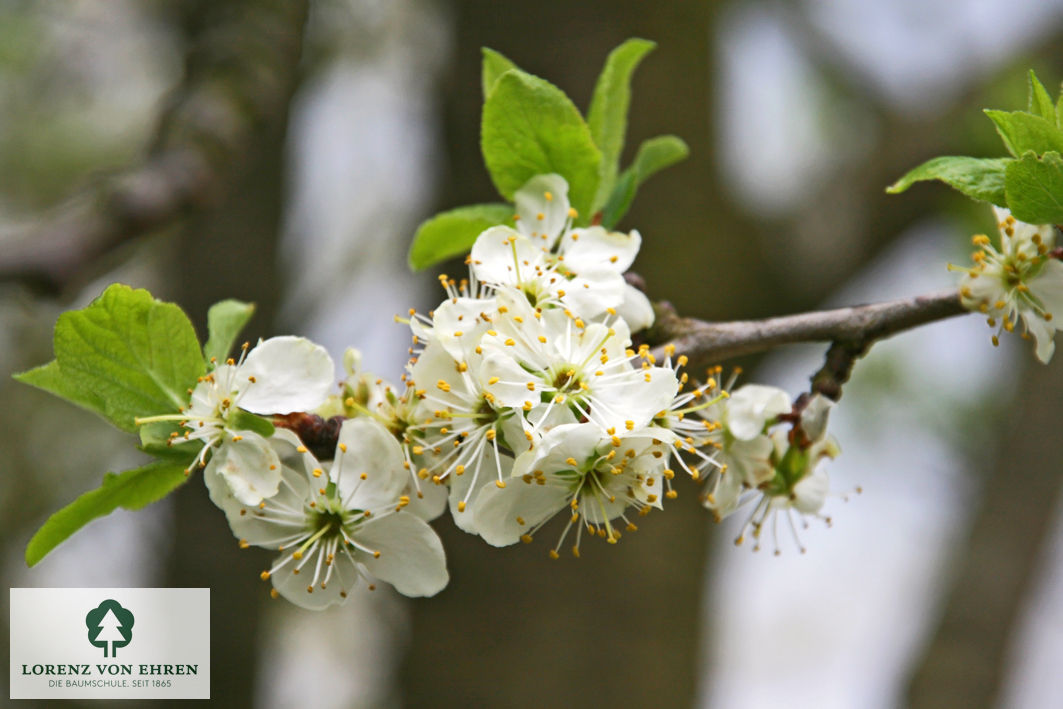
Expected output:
(49, 378)
(531, 128)
(1040, 103)
(225, 320)
(1024, 132)
(1034, 187)
(136, 355)
(494, 66)
(978, 178)
(241, 420)
(607, 117)
(131, 490)
(451, 233)
(654, 155)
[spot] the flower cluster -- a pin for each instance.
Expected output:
(1023, 280)
(335, 522)
(524, 398)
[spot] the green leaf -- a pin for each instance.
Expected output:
(1040, 103)
(654, 155)
(494, 66)
(607, 117)
(1035, 188)
(242, 420)
(136, 355)
(978, 178)
(531, 128)
(225, 320)
(49, 378)
(452, 233)
(131, 490)
(1023, 132)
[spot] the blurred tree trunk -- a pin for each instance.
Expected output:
(966, 660)
(229, 251)
(620, 626)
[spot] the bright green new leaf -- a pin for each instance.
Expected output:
(494, 66)
(225, 320)
(607, 117)
(132, 490)
(1023, 132)
(978, 178)
(1034, 188)
(1040, 103)
(531, 128)
(452, 233)
(136, 355)
(654, 155)
(49, 378)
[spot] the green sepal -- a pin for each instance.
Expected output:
(130, 490)
(607, 116)
(241, 420)
(452, 233)
(155, 440)
(981, 179)
(654, 155)
(1034, 187)
(529, 128)
(225, 320)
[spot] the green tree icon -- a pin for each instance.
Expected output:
(110, 623)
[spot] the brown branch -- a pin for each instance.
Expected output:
(239, 77)
(852, 331)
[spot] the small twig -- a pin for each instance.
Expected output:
(851, 331)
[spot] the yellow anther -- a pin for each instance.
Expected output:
(500, 484)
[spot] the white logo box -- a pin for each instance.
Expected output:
(163, 653)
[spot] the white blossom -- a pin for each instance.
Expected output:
(1023, 280)
(338, 527)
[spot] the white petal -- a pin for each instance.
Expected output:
(291, 374)
(750, 461)
(753, 405)
(1047, 286)
(497, 510)
(411, 555)
(428, 500)
(591, 292)
(369, 474)
(249, 467)
(635, 309)
(458, 326)
(596, 248)
(811, 492)
(531, 201)
(485, 472)
(814, 417)
(1042, 334)
(502, 256)
(256, 525)
(507, 381)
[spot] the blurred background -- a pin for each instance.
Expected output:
(284, 151)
